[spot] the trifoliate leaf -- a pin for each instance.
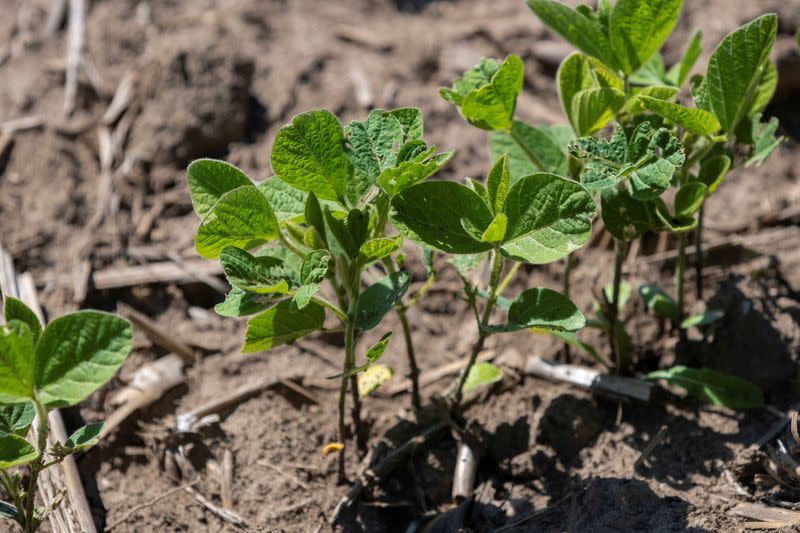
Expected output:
(376, 249)
(14, 309)
(497, 184)
(491, 106)
(77, 354)
(16, 418)
(764, 141)
(16, 362)
(736, 67)
(697, 121)
(282, 324)
(380, 298)
(637, 29)
(85, 437)
(541, 308)
(310, 154)
(410, 119)
(263, 275)
(287, 203)
(689, 198)
(373, 146)
(241, 303)
(209, 180)
(242, 217)
(584, 33)
(573, 76)
(548, 218)
(623, 216)
(430, 213)
(713, 387)
(407, 173)
(15, 451)
(531, 147)
(592, 109)
(713, 170)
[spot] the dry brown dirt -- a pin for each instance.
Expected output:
(218, 79)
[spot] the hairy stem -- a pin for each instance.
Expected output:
(698, 255)
(524, 147)
(342, 426)
(413, 369)
(679, 286)
(506, 280)
(494, 279)
(36, 466)
(613, 310)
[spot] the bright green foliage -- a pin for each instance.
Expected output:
(262, 275)
(713, 387)
(287, 203)
(736, 67)
(593, 108)
(84, 437)
(16, 418)
(16, 362)
(545, 144)
(242, 217)
(638, 28)
(625, 217)
(15, 450)
(209, 180)
(542, 308)
(689, 198)
(586, 34)
(372, 355)
(282, 324)
(713, 170)
(482, 374)
(487, 94)
(14, 309)
(380, 298)
(696, 121)
(658, 301)
(309, 154)
(547, 217)
(241, 303)
(763, 139)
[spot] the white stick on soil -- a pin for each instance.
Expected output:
(76, 44)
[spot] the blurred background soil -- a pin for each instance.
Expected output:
(86, 195)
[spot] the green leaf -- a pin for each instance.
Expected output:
(15, 451)
(472, 80)
(681, 70)
(373, 148)
(496, 231)
(638, 28)
(603, 159)
(713, 387)
(689, 198)
(287, 203)
(350, 231)
(700, 92)
(657, 154)
(262, 275)
(491, 107)
(17, 310)
(312, 273)
(85, 437)
(480, 375)
(531, 143)
(764, 140)
(582, 32)
(242, 218)
(77, 354)
(372, 378)
(9, 511)
(573, 76)
(497, 184)
(283, 323)
(634, 105)
(623, 216)
(380, 298)
(373, 354)
(593, 108)
(16, 362)
(310, 154)
(466, 263)
(697, 121)
(410, 119)
(431, 213)
(735, 69)
(658, 301)
(652, 72)
(376, 249)
(709, 316)
(766, 88)
(209, 180)
(17, 418)
(713, 171)
(541, 308)
(405, 174)
(241, 303)
(548, 217)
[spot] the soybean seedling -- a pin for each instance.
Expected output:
(321, 220)
(42, 369)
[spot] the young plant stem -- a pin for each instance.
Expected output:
(565, 291)
(36, 466)
(494, 279)
(413, 369)
(698, 255)
(342, 426)
(613, 310)
(506, 280)
(679, 286)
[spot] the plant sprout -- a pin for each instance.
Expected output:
(43, 369)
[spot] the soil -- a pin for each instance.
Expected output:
(218, 79)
